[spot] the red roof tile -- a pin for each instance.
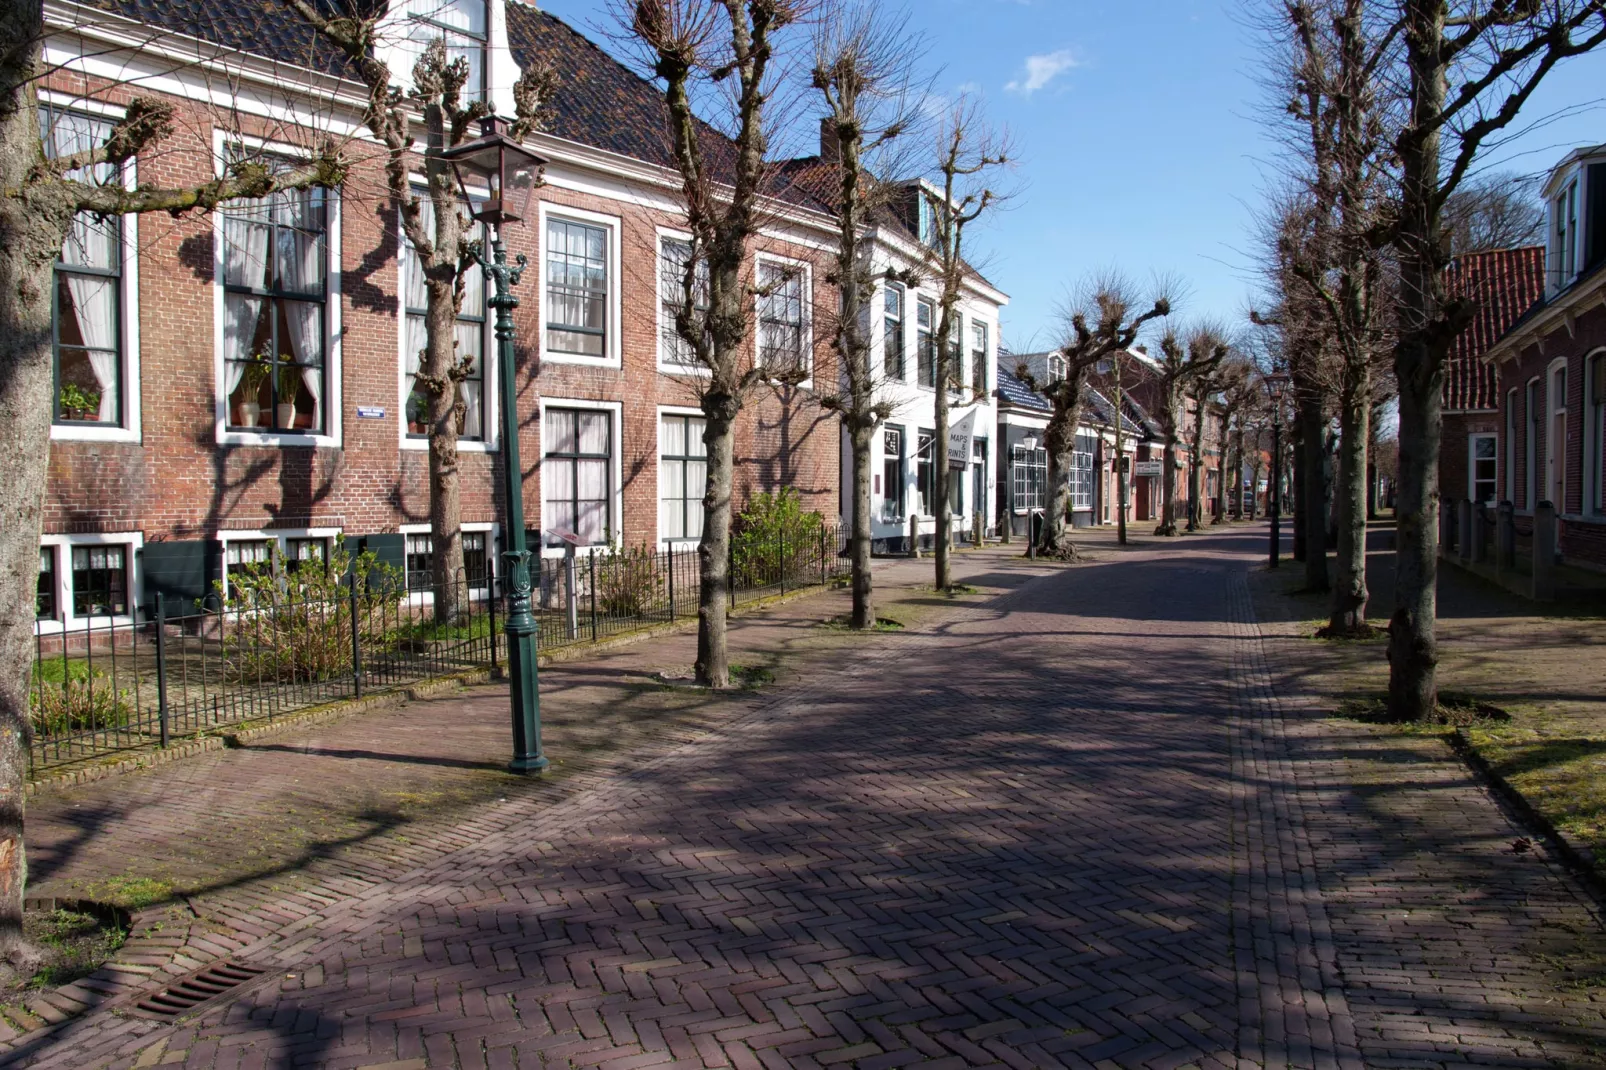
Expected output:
(1506, 283)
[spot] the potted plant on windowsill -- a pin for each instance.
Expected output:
(289, 385)
(78, 403)
(248, 411)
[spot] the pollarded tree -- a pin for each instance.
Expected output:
(1104, 322)
(438, 238)
(1497, 53)
(1181, 362)
(1239, 389)
(970, 154)
(50, 191)
(862, 73)
(725, 49)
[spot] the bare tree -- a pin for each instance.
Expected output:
(439, 237)
(862, 70)
(1239, 389)
(1499, 210)
(1341, 265)
(46, 195)
(1182, 361)
(1497, 54)
(1103, 323)
(726, 49)
(970, 155)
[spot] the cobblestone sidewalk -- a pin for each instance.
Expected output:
(1074, 824)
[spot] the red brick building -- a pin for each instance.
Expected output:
(176, 451)
(1552, 370)
(1505, 283)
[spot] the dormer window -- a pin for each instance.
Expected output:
(1564, 214)
(461, 25)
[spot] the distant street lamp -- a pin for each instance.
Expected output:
(1276, 385)
(496, 176)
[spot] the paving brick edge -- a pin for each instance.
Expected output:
(1575, 856)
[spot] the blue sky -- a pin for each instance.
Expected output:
(1140, 140)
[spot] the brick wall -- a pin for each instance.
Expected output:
(177, 483)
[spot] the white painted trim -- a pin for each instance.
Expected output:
(128, 297)
(613, 350)
(658, 453)
(65, 617)
(1531, 442)
(1556, 452)
(1509, 430)
(698, 369)
(333, 403)
(490, 373)
(808, 308)
(616, 506)
(1594, 496)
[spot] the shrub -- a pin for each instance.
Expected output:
(629, 582)
(78, 701)
(775, 536)
(286, 627)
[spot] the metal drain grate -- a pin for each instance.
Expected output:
(186, 995)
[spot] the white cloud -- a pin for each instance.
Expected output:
(1041, 70)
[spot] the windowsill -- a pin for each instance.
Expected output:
(278, 439)
(604, 361)
(559, 552)
(676, 368)
(464, 445)
(80, 625)
(92, 433)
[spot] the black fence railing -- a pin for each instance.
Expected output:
(101, 686)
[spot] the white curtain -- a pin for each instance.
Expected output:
(300, 256)
(469, 338)
(245, 263)
(94, 302)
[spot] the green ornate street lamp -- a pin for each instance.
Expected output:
(496, 176)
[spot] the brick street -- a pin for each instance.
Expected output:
(1085, 820)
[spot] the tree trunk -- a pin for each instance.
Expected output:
(1168, 492)
(1059, 441)
(1419, 368)
(1196, 469)
(714, 549)
(30, 241)
(1348, 615)
(939, 460)
(445, 505)
(1313, 492)
(859, 547)
(1297, 488)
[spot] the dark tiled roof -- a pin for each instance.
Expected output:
(1102, 410)
(1506, 283)
(271, 30)
(1013, 392)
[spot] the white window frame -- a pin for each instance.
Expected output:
(1556, 450)
(1472, 463)
(1594, 433)
(277, 536)
(613, 350)
(667, 367)
(490, 373)
(1511, 446)
(1533, 392)
(128, 299)
(658, 454)
(66, 620)
(808, 308)
(332, 437)
(493, 532)
(616, 497)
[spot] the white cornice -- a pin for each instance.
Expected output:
(1560, 314)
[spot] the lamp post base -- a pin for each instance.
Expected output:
(536, 765)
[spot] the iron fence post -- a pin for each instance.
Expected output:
(782, 537)
(593, 567)
(570, 576)
(670, 554)
(822, 555)
(161, 667)
(356, 645)
(490, 608)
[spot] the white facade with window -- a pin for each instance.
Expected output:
(87, 581)
(903, 322)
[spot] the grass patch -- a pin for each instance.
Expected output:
(1454, 708)
(131, 893)
(751, 676)
(72, 944)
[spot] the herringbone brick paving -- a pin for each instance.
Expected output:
(1068, 826)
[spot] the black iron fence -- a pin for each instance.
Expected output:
(101, 686)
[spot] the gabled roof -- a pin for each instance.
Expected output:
(1506, 283)
(1014, 393)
